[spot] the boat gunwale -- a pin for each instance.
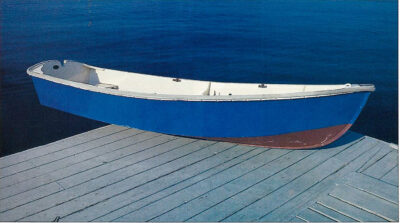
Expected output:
(210, 98)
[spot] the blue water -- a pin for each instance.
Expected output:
(271, 41)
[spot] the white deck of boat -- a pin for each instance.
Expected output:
(120, 174)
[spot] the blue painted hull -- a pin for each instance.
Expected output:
(205, 119)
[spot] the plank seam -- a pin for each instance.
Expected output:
(171, 149)
(219, 187)
(344, 149)
(164, 175)
(323, 214)
(113, 182)
(332, 174)
(188, 185)
(363, 167)
(59, 185)
(87, 160)
(335, 210)
(388, 172)
(94, 178)
(201, 181)
(303, 219)
(377, 161)
(379, 179)
(323, 179)
(110, 142)
(371, 193)
(174, 184)
(82, 170)
(250, 186)
(62, 140)
(341, 167)
(361, 208)
(58, 141)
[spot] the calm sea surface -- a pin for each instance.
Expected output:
(271, 41)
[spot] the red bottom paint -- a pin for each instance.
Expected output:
(298, 140)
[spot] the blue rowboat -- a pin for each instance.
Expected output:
(269, 115)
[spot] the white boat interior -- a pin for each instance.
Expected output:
(151, 84)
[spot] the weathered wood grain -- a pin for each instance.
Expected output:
(119, 174)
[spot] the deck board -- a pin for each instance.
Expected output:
(312, 215)
(132, 205)
(154, 209)
(68, 152)
(119, 174)
(83, 162)
(111, 177)
(266, 204)
(365, 201)
(383, 165)
(69, 142)
(358, 197)
(353, 157)
(168, 184)
(265, 186)
(131, 182)
(373, 186)
(198, 204)
(377, 155)
(348, 210)
(332, 214)
(392, 177)
(60, 159)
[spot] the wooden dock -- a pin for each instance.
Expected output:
(120, 174)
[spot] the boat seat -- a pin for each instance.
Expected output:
(104, 85)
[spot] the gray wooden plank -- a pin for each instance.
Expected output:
(232, 199)
(367, 202)
(255, 184)
(111, 214)
(383, 166)
(333, 214)
(354, 157)
(298, 219)
(157, 147)
(313, 216)
(379, 154)
(61, 144)
(348, 210)
(265, 205)
(243, 199)
(34, 163)
(129, 170)
(85, 148)
(157, 186)
(173, 182)
(153, 209)
(22, 198)
(200, 150)
(84, 162)
(392, 176)
(373, 186)
(63, 162)
(6, 171)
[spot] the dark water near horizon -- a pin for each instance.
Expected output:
(270, 41)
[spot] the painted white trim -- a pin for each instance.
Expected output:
(353, 88)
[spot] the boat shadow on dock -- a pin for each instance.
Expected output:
(348, 138)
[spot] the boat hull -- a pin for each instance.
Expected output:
(296, 140)
(290, 123)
